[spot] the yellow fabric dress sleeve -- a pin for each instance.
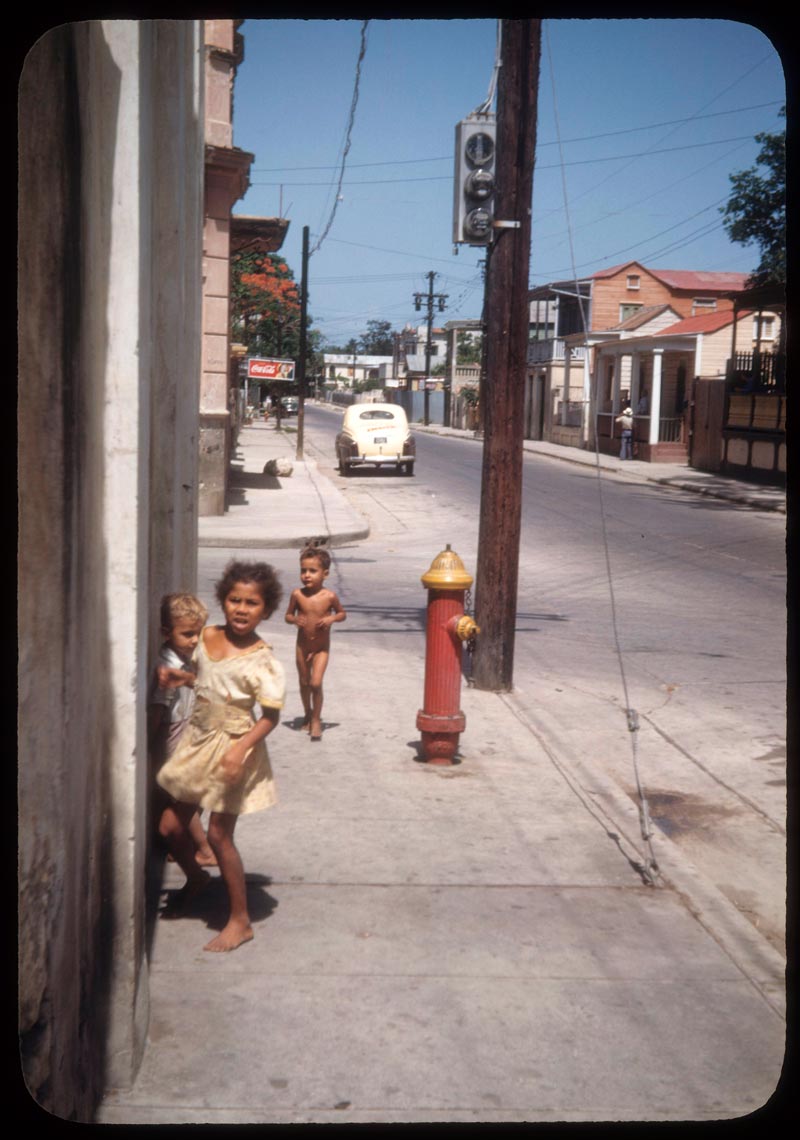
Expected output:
(271, 684)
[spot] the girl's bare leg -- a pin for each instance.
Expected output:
(238, 928)
(203, 856)
(174, 828)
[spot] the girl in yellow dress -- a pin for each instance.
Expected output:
(221, 763)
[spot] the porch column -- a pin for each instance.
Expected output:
(655, 396)
(636, 374)
(615, 384)
(596, 380)
(565, 396)
(587, 395)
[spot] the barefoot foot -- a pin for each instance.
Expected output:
(206, 858)
(234, 935)
(316, 730)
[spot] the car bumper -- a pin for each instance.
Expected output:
(350, 453)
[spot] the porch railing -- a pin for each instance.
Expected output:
(542, 351)
(757, 372)
(669, 427)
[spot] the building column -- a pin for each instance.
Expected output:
(587, 395)
(655, 396)
(615, 385)
(636, 378)
(565, 395)
(225, 183)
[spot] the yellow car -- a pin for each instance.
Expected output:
(375, 435)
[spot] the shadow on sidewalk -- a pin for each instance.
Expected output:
(212, 905)
(254, 480)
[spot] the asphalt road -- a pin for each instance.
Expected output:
(694, 640)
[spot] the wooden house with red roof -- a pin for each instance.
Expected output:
(634, 335)
(688, 406)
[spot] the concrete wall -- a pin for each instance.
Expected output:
(226, 180)
(110, 172)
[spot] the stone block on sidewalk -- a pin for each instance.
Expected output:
(279, 466)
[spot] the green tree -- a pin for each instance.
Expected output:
(378, 339)
(756, 209)
(468, 348)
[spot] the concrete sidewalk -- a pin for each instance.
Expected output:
(279, 511)
(443, 944)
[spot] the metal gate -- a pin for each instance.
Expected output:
(707, 417)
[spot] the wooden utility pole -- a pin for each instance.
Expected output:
(301, 363)
(430, 298)
(507, 320)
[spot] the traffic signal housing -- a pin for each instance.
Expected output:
(474, 184)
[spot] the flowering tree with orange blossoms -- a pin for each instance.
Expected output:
(265, 305)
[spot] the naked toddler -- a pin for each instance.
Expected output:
(313, 609)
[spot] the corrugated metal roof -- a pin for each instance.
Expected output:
(697, 280)
(702, 323)
(701, 280)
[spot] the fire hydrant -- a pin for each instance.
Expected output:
(448, 627)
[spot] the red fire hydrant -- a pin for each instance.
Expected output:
(448, 627)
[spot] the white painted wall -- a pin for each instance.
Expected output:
(111, 169)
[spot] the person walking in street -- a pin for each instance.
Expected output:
(313, 609)
(221, 763)
(625, 421)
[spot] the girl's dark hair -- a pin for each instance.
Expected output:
(259, 573)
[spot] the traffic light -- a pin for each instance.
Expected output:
(474, 189)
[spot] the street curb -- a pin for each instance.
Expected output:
(341, 538)
(762, 965)
(678, 482)
(722, 494)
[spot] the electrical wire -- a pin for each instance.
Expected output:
(348, 134)
(485, 107)
(651, 152)
(539, 146)
(649, 868)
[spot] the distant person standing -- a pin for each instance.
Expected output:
(643, 406)
(625, 421)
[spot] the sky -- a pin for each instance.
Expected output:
(640, 124)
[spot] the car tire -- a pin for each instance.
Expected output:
(408, 469)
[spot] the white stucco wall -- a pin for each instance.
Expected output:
(111, 169)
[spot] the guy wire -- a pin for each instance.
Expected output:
(650, 868)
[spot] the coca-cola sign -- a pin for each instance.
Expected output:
(260, 369)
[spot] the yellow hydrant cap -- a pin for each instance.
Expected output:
(447, 572)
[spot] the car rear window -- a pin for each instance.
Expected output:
(373, 415)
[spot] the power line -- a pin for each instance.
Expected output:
(350, 121)
(551, 166)
(399, 252)
(539, 146)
